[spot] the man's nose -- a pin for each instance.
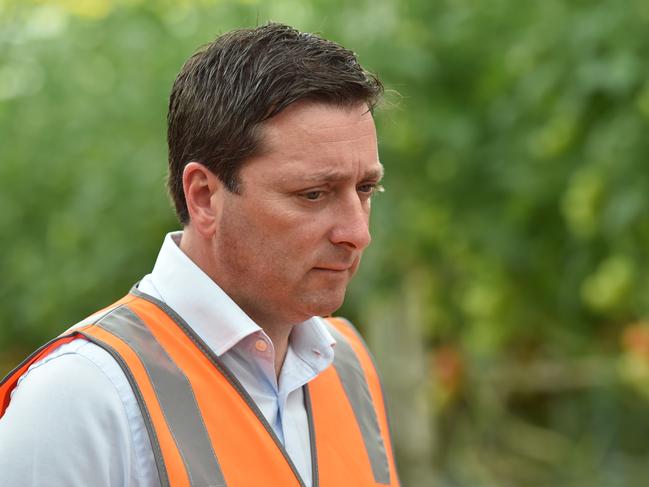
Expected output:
(352, 219)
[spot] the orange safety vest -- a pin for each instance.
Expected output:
(204, 428)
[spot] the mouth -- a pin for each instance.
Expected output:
(345, 266)
(332, 269)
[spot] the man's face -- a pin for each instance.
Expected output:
(288, 244)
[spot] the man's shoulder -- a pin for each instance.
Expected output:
(66, 406)
(78, 369)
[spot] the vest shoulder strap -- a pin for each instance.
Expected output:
(360, 380)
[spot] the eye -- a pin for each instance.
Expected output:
(312, 195)
(369, 189)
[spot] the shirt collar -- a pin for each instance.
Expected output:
(213, 315)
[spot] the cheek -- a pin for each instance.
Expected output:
(256, 243)
(283, 229)
(269, 238)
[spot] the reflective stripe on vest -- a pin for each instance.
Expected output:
(205, 430)
(357, 390)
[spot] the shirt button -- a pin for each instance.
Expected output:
(261, 345)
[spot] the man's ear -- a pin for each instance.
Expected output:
(202, 190)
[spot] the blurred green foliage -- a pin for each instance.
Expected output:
(516, 218)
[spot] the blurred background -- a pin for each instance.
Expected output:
(506, 291)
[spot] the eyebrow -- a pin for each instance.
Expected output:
(329, 176)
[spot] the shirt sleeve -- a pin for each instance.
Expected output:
(66, 426)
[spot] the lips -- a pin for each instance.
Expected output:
(349, 263)
(337, 267)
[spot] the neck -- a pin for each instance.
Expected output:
(279, 336)
(278, 333)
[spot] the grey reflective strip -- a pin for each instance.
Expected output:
(155, 444)
(175, 395)
(353, 380)
(385, 397)
(94, 318)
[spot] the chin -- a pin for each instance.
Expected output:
(326, 305)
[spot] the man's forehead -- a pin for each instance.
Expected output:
(373, 172)
(317, 119)
(317, 142)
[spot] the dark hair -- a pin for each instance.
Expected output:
(230, 86)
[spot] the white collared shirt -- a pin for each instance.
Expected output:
(73, 419)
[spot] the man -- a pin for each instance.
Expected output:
(217, 368)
